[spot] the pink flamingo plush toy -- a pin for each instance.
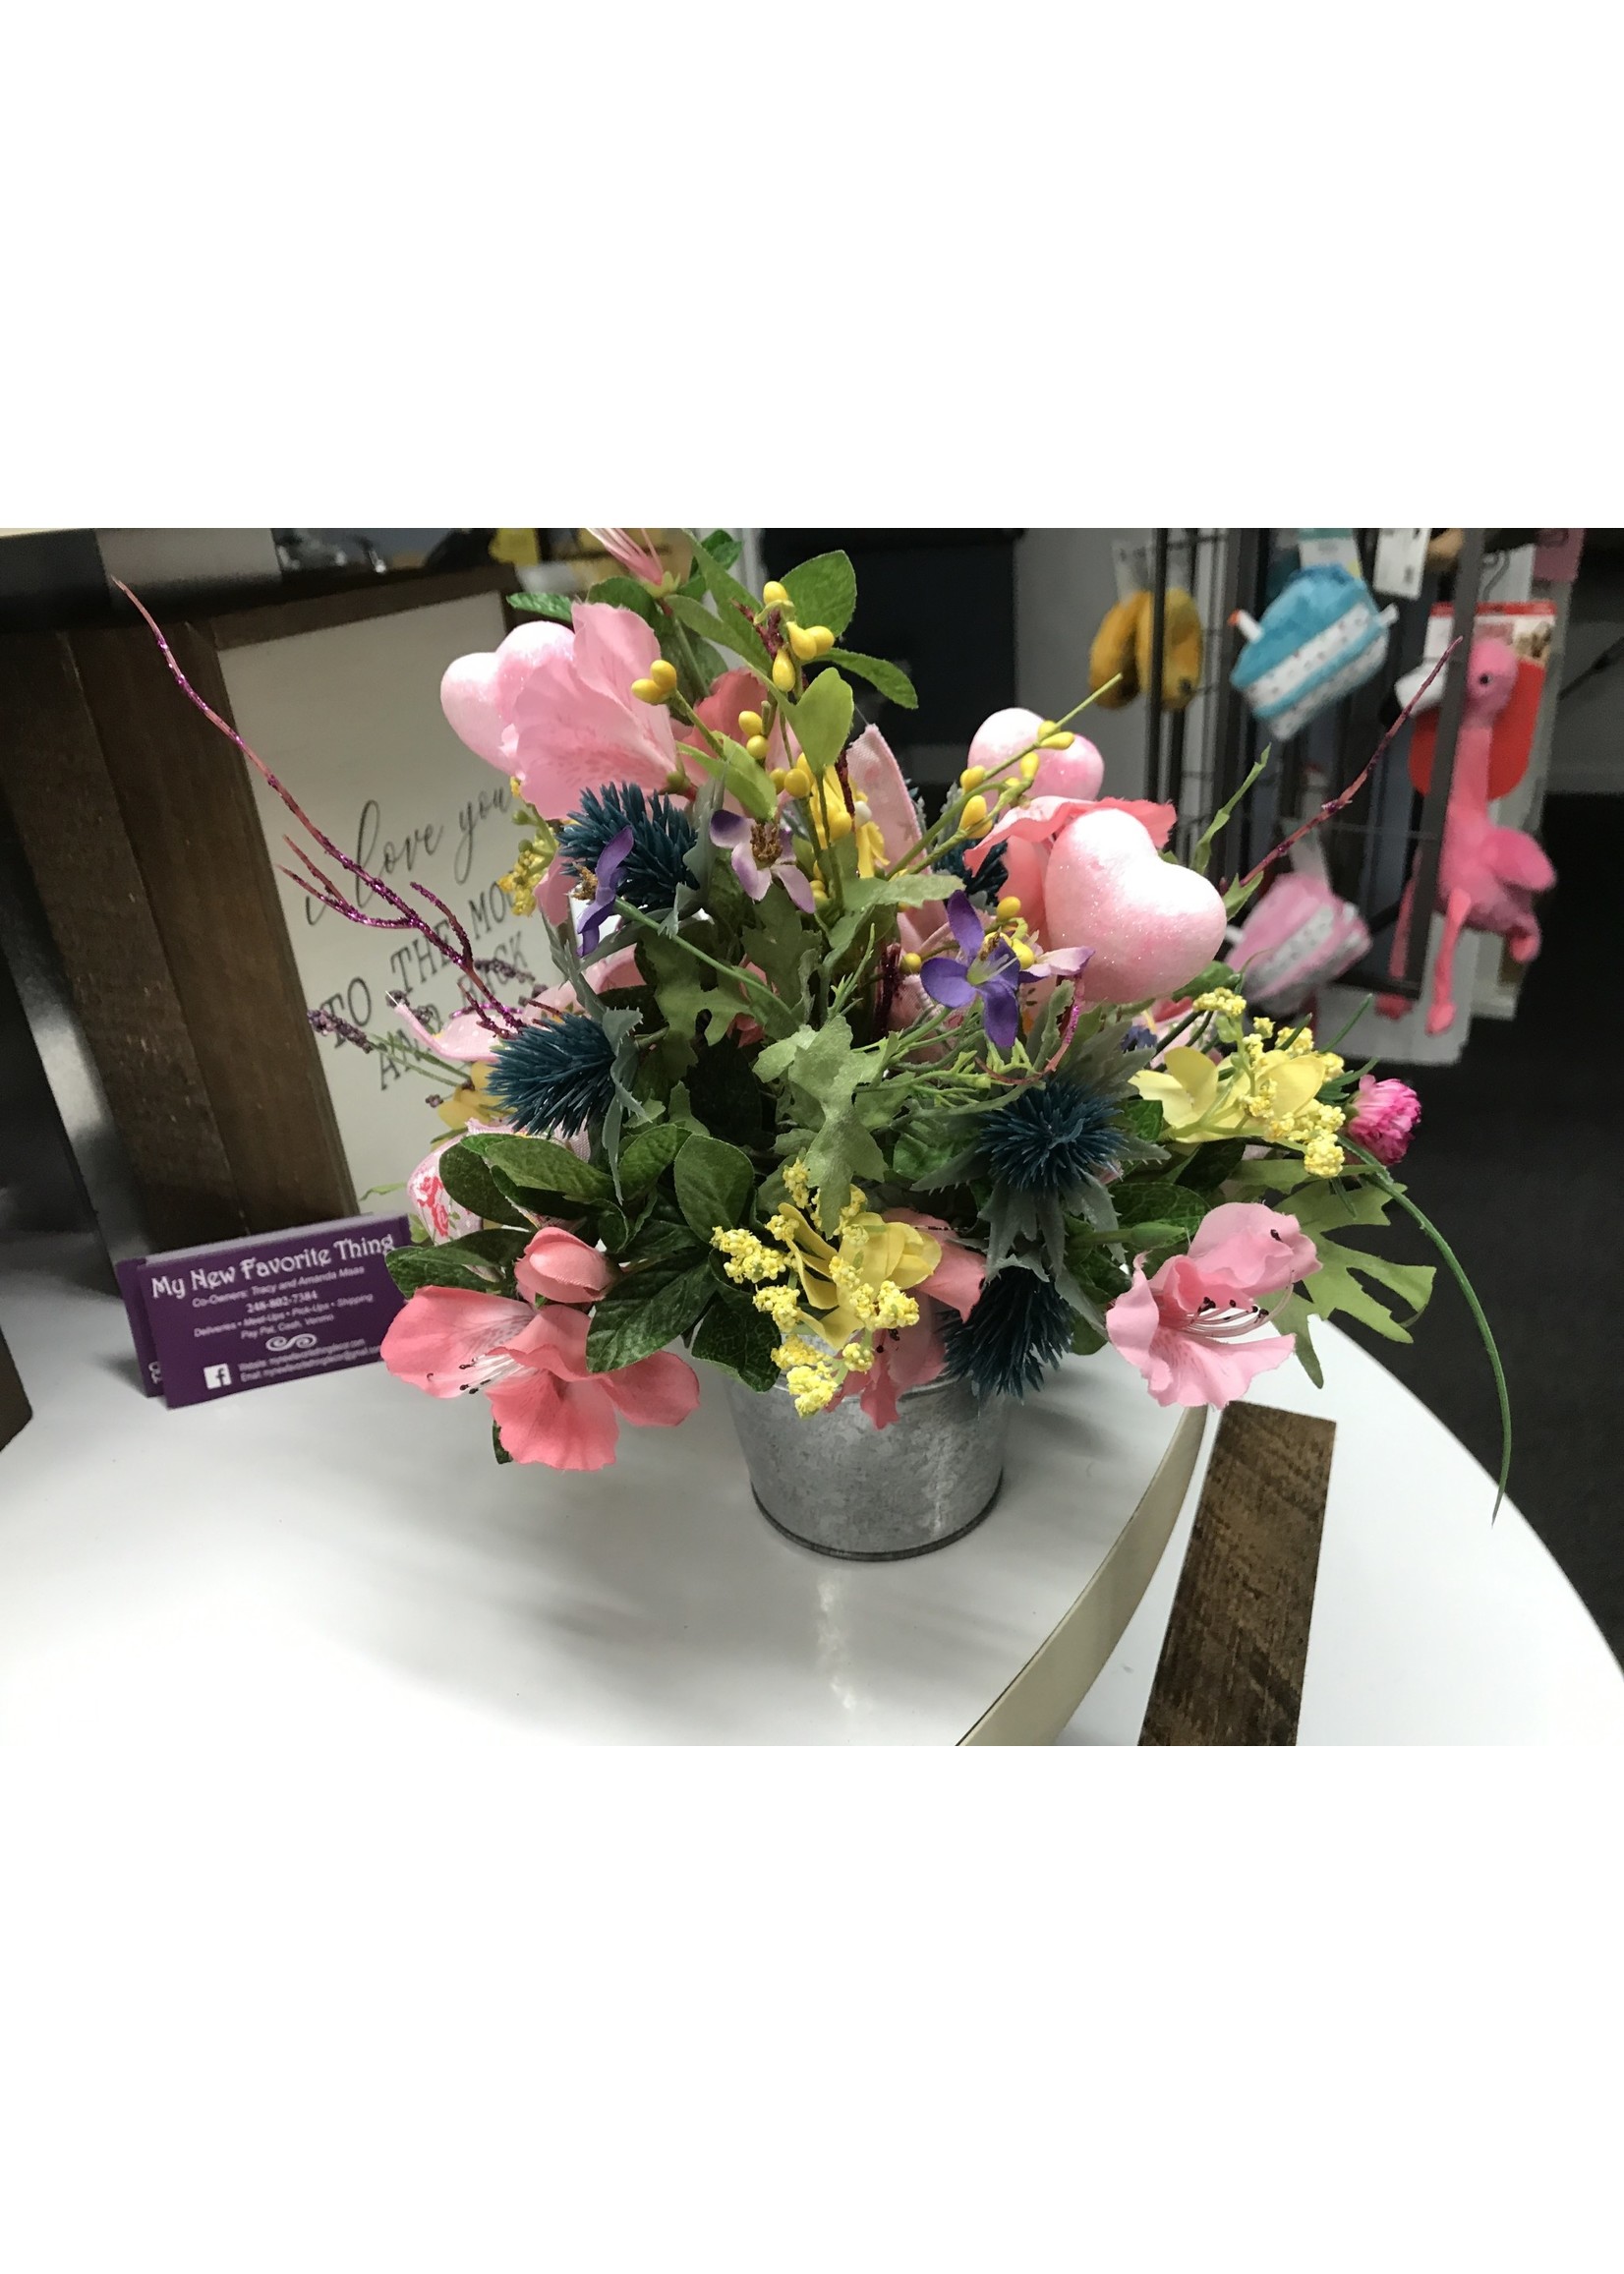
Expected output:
(1488, 875)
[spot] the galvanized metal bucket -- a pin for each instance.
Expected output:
(836, 1482)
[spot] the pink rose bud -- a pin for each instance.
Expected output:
(559, 1268)
(1384, 1118)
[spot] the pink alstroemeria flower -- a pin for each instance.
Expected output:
(1182, 1328)
(548, 1407)
(558, 1268)
(463, 1040)
(908, 1355)
(636, 559)
(555, 707)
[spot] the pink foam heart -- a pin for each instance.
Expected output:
(479, 691)
(1152, 926)
(1074, 772)
(468, 697)
(999, 737)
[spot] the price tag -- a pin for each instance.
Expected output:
(1401, 559)
(1329, 549)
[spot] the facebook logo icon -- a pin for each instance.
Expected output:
(216, 1377)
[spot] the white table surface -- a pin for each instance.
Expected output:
(338, 1561)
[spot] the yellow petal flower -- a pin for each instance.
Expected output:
(1186, 1091)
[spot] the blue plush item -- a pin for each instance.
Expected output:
(1321, 638)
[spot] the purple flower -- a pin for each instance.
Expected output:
(610, 861)
(948, 981)
(748, 845)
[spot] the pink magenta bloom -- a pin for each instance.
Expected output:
(558, 1267)
(1384, 1118)
(636, 559)
(555, 707)
(1182, 1328)
(445, 1218)
(532, 1366)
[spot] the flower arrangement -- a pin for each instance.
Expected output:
(835, 1094)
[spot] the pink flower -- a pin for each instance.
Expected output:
(1182, 1328)
(443, 1218)
(558, 1268)
(555, 707)
(1384, 1118)
(531, 1366)
(463, 1040)
(636, 559)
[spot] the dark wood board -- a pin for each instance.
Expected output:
(15, 1409)
(1230, 1669)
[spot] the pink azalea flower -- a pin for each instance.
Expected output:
(636, 559)
(1384, 1118)
(530, 1365)
(1183, 1328)
(577, 722)
(558, 1268)
(443, 1218)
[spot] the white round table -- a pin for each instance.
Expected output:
(292, 1572)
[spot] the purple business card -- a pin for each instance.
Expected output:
(243, 1313)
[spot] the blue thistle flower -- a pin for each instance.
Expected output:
(990, 878)
(1049, 1136)
(1020, 1327)
(555, 1078)
(662, 837)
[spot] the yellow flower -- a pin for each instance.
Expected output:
(1270, 1095)
(861, 1283)
(473, 1101)
(831, 819)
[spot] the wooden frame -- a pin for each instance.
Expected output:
(140, 829)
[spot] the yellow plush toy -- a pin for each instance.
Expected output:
(1122, 651)
(1114, 653)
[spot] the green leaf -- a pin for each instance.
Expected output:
(1141, 1117)
(1153, 1202)
(749, 782)
(542, 1165)
(734, 1335)
(1321, 1211)
(822, 719)
(627, 591)
(646, 1153)
(1210, 1164)
(502, 1249)
(1292, 1317)
(894, 684)
(723, 547)
(824, 592)
(865, 894)
(644, 1311)
(714, 1183)
(725, 1096)
(504, 1456)
(1085, 1338)
(469, 1182)
(725, 590)
(413, 1267)
(684, 988)
(556, 607)
(727, 627)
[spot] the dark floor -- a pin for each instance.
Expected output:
(1520, 1162)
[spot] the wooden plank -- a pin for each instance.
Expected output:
(1230, 1669)
(54, 777)
(281, 620)
(189, 812)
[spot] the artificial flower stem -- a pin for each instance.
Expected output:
(1396, 1191)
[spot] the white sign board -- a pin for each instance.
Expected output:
(349, 719)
